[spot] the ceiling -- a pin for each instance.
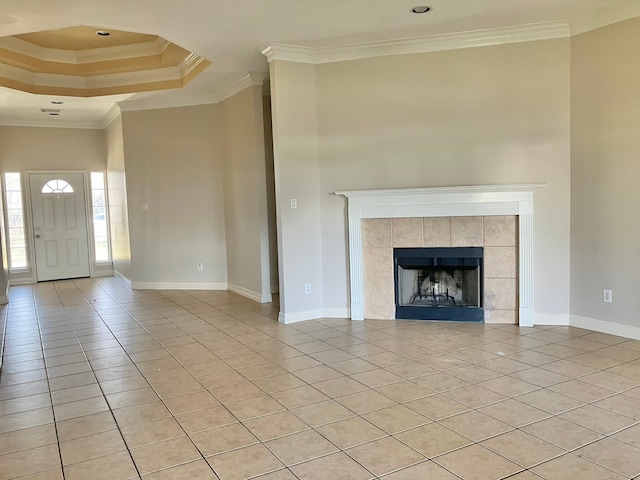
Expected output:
(231, 36)
(91, 62)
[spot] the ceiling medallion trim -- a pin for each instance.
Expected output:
(432, 43)
(94, 55)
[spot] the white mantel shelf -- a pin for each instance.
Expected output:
(457, 201)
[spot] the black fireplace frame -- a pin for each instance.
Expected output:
(453, 256)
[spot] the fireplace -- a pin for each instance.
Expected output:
(506, 300)
(439, 283)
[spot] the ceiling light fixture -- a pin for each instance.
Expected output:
(103, 33)
(420, 9)
(54, 114)
(57, 102)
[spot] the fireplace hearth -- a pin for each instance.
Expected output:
(439, 283)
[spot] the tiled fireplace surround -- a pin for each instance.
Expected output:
(497, 234)
(497, 217)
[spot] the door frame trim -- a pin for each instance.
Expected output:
(28, 217)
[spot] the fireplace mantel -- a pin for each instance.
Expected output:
(458, 201)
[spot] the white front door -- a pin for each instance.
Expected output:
(59, 225)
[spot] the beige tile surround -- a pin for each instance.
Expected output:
(497, 234)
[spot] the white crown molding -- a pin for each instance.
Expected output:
(55, 122)
(249, 80)
(113, 113)
(606, 16)
(431, 43)
(172, 102)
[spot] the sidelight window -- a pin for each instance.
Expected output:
(15, 221)
(99, 211)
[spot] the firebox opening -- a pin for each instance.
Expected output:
(439, 283)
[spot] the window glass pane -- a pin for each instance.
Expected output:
(16, 237)
(98, 198)
(14, 200)
(102, 251)
(99, 210)
(15, 215)
(15, 219)
(12, 182)
(19, 257)
(57, 186)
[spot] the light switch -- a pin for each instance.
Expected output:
(294, 204)
(144, 206)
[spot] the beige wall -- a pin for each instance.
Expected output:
(271, 193)
(117, 192)
(35, 148)
(463, 117)
(296, 167)
(172, 164)
(605, 173)
(245, 193)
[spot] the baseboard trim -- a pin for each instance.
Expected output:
(343, 312)
(21, 281)
(4, 299)
(179, 285)
(121, 277)
(250, 294)
(560, 319)
(102, 273)
(602, 326)
(315, 314)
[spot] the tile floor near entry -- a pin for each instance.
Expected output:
(101, 382)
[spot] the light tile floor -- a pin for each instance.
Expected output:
(101, 382)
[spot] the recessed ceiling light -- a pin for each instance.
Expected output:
(57, 102)
(103, 33)
(420, 9)
(54, 114)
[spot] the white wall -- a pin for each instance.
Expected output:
(245, 200)
(117, 192)
(172, 163)
(605, 173)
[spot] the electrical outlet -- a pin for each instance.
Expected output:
(607, 296)
(144, 207)
(307, 289)
(200, 266)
